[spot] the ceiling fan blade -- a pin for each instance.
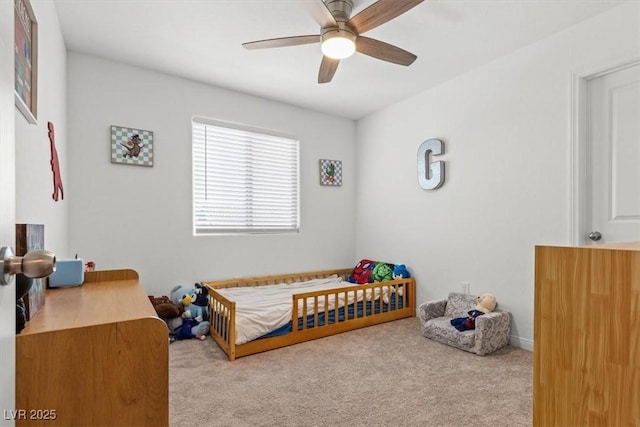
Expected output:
(380, 12)
(320, 13)
(385, 51)
(282, 42)
(328, 68)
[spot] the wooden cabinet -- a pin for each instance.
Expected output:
(94, 355)
(587, 336)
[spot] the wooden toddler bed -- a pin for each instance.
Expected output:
(342, 308)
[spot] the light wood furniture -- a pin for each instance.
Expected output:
(222, 310)
(94, 355)
(587, 336)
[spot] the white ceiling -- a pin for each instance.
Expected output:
(201, 40)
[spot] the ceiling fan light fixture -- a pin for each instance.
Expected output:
(340, 33)
(338, 43)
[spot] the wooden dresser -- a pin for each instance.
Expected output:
(587, 336)
(94, 355)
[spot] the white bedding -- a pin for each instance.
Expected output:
(264, 309)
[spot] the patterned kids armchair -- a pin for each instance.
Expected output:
(492, 330)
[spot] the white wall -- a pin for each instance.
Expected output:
(34, 178)
(140, 217)
(506, 126)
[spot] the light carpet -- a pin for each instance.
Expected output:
(384, 375)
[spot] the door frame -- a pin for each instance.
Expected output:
(578, 161)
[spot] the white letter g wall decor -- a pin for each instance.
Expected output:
(430, 174)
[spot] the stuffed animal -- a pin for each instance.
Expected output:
(191, 310)
(382, 272)
(178, 292)
(165, 308)
(361, 273)
(194, 301)
(202, 296)
(400, 271)
(486, 304)
(174, 325)
(192, 329)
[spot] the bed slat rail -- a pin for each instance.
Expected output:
(222, 314)
(274, 280)
(375, 299)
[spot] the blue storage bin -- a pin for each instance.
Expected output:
(69, 272)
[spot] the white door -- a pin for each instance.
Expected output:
(613, 156)
(7, 212)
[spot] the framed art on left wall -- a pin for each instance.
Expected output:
(26, 60)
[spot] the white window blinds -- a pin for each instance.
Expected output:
(244, 181)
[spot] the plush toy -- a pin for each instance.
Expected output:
(165, 308)
(486, 304)
(202, 296)
(191, 310)
(174, 325)
(400, 271)
(178, 292)
(382, 271)
(192, 329)
(361, 273)
(194, 300)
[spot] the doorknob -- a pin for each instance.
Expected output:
(35, 264)
(595, 236)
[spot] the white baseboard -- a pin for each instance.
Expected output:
(523, 343)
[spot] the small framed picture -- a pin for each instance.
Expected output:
(26, 60)
(330, 172)
(131, 146)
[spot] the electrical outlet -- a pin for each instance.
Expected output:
(466, 287)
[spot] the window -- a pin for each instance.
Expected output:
(244, 180)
